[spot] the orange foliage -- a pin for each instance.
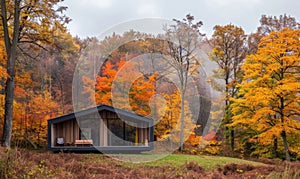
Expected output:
(270, 90)
(210, 136)
(115, 78)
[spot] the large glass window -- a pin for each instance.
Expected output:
(85, 133)
(121, 133)
(116, 132)
(89, 129)
(130, 133)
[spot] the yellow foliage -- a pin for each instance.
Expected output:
(3, 73)
(269, 102)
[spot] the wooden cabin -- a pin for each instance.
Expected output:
(103, 128)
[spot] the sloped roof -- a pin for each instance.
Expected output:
(101, 107)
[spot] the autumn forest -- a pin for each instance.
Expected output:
(257, 76)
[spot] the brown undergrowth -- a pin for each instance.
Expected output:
(18, 163)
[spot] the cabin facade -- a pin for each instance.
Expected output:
(103, 128)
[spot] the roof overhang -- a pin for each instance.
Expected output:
(125, 115)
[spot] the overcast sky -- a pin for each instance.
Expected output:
(93, 17)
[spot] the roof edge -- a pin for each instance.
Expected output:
(99, 108)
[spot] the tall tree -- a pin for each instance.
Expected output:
(24, 21)
(169, 126)
(269, 24)
(183, 41)
(60, 67)
(270, 89)
(3, 76)
(228, 52)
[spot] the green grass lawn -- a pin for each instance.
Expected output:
(207, 162)
(174, 160)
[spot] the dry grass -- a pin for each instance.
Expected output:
(27, 164)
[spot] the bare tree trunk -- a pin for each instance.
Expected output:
(11, 50)
(283, 132)
(275, 146)
(232, 140)
(9, 96)
(182, 121)
(286, 148)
